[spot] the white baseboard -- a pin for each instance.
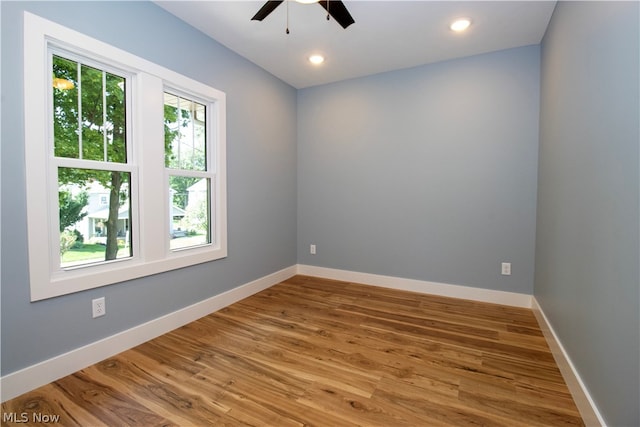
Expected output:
(588, 410)
(455, 291)
(32, 377)
(587, 407)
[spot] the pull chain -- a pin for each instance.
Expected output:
(287, 31)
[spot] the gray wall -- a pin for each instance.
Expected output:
(261, 145)
(427, 173)
(587, 252)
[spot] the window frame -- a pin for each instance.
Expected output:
(210, 166)
(146, 82)
(80, 162)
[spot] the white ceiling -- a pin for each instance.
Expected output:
(387, 35)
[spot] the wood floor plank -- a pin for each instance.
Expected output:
(439, 335)
(112, 406)
(317, 352)
(160, 392)
(50, 400)
(436, 408)
(356, 410)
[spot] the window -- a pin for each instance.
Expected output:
(187, 166)
(90, 152)
(126, 164)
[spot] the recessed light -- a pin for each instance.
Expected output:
(316, 59)
(460, 24)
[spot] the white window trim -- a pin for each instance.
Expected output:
(151, 251)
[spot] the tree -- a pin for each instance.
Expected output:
(172, 134)
(67, 240)
(197, 217)
(90, 124)
(71, 208)
(185, 146)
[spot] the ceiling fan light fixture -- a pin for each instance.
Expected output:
(335, 9)
(460, 24)
(316, 59)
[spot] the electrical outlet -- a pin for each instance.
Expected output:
(99, 307)
(312, 249)
(506, 269)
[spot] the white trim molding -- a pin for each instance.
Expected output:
(32, 377)
(587, 407)
(148, 182)
(443, 289)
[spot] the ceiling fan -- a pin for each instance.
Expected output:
(335, 8)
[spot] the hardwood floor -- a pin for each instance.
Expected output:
(316, 352)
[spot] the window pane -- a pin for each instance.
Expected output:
(65, 108)
(115, 115)
(89, 112)
(95, 216)
(92, 113)
(184, 133)
(189, 224)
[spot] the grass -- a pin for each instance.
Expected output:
(94, 252)
(90, 253)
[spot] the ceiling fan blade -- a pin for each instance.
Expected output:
(338, 11)
(267, 9)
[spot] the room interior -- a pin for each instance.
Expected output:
(423, 177)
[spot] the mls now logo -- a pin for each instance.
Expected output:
(14, 417)
(23, 417)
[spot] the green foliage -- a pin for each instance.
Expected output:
(79, 240)
(89, 122)
(71, 207)
(67, 240)
(185, 133)
(180, 184)
(197, 217)
(170, 116)
(91, 126)
(89, 252)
